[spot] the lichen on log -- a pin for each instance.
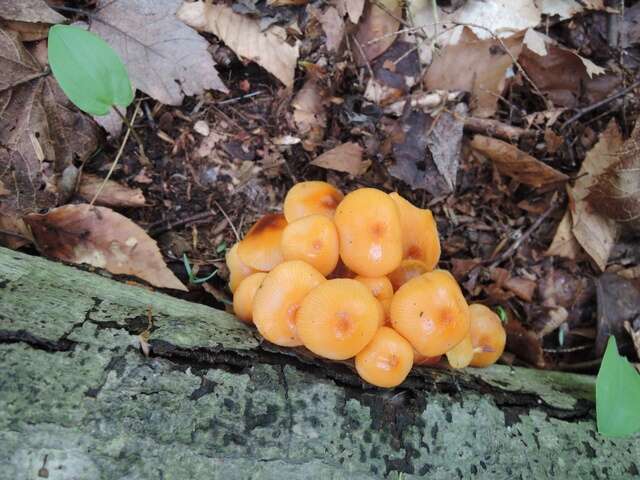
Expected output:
(78, 399)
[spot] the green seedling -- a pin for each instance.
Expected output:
(502, 313)
(88, 70)
(617, 395)
(221, 248)
(193, 279)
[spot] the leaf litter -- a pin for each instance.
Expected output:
(498, 117)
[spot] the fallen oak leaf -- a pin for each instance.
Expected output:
(514, 163)
(165, 58)
(346, 157)
(113, 194)
(309, 113)
(103, 238)
(244, 36)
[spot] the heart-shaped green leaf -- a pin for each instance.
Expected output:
(88, 70)
(617, 395)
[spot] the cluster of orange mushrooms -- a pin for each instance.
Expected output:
(355, 276)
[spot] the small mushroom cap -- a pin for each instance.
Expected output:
(308, 198)
(381, 288)
(244, 295)
(312, 239)
(431, 312)
(386, 360)
(370, 233)
(488, 336)
(260, 248)
(407, 270)
(338, 318)
(460, 356)
(277, 301)
(420, 240)
(238, 271)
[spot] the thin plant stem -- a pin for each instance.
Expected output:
(129, 125)
(118, 155)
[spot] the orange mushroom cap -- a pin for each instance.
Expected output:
(487, 336)
(238, 271)
(407, 270)
(308, 198)
(278, 300)
(260, 248)
(386, 360)
(244, 295)
(312, 239)
(381, 289)
(420, 239)
(431, 312)
(370, 233)
(460, 356)
(338, 318)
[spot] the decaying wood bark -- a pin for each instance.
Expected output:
(78, 400)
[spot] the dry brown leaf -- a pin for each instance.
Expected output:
(164, 58)
(113, 194)
(394, 73)
(565, 77)
(243, 35)
(616, 191)
(427, 151)
(333, 26)
(514, 163)
(309, 113)
(476, 66)
(346, 157)
(29, 11)
(375, 31)
(39, 132)
(17, 65)
(103, 238)
(564, 243)
(595, 233)
(13, 231)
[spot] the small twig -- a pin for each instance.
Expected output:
(364, 57)
(133, 132)
(512, 249)
(495, 128)
(235, 232)
(157, 229)
(242, 97)
(118, 155)
(590, 108)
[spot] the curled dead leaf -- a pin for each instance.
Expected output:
(113, 193)
(343, 158)
(243, 35)
(514, 163)
(616, 191)
(103, 238)
(309, 113)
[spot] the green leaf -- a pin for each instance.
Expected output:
(88, 70)
(617, 395)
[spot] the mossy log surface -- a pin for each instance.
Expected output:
(79, 400)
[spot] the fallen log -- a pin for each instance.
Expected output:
(79, 399)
